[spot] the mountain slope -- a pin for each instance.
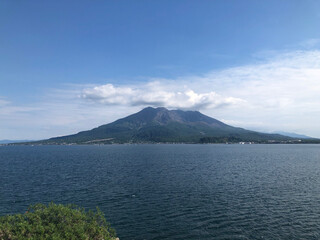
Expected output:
(162, 125)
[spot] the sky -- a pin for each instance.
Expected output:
(68, 66)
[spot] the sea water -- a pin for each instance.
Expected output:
(165, 191)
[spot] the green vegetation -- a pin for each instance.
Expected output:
(56, 222)
(166, 126)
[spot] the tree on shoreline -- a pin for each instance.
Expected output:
(56, 221)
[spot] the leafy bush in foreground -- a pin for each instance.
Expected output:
(56, 221)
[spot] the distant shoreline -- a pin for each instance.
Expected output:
(163, 143)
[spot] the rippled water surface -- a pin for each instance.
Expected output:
(174, 191)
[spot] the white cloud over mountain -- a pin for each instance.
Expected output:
(157, 95)
(281, 92)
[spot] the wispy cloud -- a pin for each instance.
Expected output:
(280, 92)
(3, 102)
(310, 43)
(58, 112)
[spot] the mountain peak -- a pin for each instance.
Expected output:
(148, 109)
(163, 116)
(163, 125)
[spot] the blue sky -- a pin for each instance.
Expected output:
(67, 66)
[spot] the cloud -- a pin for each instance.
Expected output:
(156, 94)
(279, 92)
(282, 92)
(310, 43)
(286, 82)
(3, 102)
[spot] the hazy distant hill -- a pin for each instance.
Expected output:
(6, 141)
(293, 135)
(159, 125)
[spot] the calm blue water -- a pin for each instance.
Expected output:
(174, 191)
